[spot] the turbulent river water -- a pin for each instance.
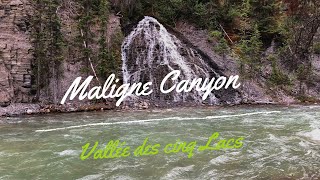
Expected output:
(280, 142)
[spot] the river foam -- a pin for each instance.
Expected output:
(161, 119)
(69, 153)
(313, 135)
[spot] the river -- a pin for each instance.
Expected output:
(279, 142)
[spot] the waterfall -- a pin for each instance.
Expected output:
(150, 52)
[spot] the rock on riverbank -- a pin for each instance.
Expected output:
(30, 109)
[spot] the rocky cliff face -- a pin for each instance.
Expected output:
(15, 49)
(255, 90)
(16, 55)
(250, 90)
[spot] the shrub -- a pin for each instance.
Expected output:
(277, 77)
(222, 47)
(249, 50)
(307, 99)
(316, 48)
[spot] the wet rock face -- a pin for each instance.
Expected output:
(15, 52)
(150, 52)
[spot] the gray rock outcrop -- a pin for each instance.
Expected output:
(15, 47)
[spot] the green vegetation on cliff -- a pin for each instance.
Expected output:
(98, 52)
(48, 43)
(96, 13)
(245, 29)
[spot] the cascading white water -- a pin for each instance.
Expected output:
(150, 52)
